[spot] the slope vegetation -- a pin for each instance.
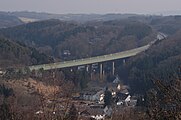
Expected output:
(161, 62)
(53, 37)
(17, 54)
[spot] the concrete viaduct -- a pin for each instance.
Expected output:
(98, 59)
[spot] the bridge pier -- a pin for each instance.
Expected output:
(124, 61)
(103, 74)
(113, 68)
(101, 71)
(91, 75)
(87, 68)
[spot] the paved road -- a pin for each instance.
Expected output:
(97, 59)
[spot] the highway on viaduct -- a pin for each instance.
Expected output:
(98, 59)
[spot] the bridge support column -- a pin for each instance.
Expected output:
(101, 71)
(91, 76)
(91, 72)
(113, 68)
(124, 61)
(87, 68)
(103, 75)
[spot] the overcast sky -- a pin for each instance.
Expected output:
(91, 6)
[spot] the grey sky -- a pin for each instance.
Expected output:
(91, 6)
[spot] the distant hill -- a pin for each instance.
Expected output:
(169, 24)
(80, 18)
(168, 13)
(8, 20)
(72, 17)
(17, 54)
(82, 40)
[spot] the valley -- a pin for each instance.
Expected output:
(113, 66)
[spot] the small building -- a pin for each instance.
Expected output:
(95, 66)
(2, 72)
(93, 96)
(81, 67)
(66, 53)
(121, 96)
(117, 80)
(126, 99)
(108, 111)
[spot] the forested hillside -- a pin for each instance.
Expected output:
(161, 62)
(17, 54)
(53, 37)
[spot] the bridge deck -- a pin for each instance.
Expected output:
(91, 60)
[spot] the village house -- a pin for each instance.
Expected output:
(2, 72)
(93, 96)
